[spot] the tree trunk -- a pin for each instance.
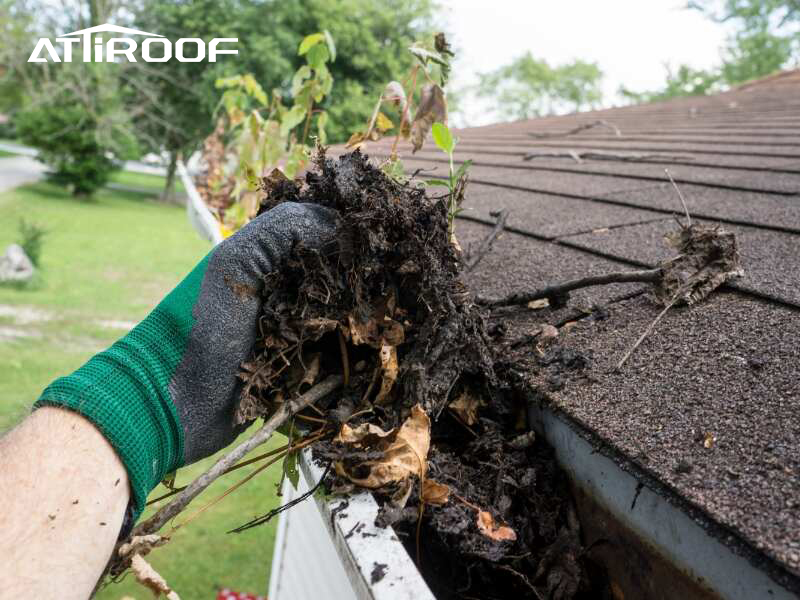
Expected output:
(168, 193)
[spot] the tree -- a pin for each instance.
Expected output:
(79, 126)
(71, 112)
(766, 38)
(529, 87)
(683, 81)
(174, 102)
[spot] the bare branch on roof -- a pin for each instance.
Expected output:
(579, 128)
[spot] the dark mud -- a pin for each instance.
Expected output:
(385, 305)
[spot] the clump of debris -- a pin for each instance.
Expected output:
(426, 418)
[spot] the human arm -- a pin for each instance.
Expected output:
(63, 493)
(164, 395)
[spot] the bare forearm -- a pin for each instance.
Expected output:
(64, 492)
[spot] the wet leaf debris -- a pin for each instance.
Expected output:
(426, 418)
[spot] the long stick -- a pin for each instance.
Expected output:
(559, 289)
(486, 243)
(286, 410)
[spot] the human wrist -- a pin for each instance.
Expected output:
(124, 391)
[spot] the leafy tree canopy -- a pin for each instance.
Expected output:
(766, 40)
(529, 87)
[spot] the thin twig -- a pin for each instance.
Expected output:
(486, 243)
(680, 195)
(646, 333)
(249, 461)
(345, 358)
(578, 129)
(580, 156)
(286, 410)
(559, 289)
(276, 511)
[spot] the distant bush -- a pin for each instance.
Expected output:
(79, 128)
(31, 236)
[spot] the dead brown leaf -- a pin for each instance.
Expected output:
(488, 527)
(539, 304)
(434, 492)
(708, 257)
(404, 451)
(466, 407)
(389, 371)
(147, 576)
(432, 109)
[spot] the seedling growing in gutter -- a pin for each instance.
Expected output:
(456, 183)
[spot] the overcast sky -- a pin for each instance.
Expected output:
(630, 39)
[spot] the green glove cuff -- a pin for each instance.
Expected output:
(124, 390)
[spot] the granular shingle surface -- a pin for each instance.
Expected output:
(725, 370)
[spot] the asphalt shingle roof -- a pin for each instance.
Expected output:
(728, 366)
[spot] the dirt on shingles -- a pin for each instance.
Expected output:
(384, 304)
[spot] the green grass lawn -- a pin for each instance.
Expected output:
(144, 181)
(105, 264)
(5, 154)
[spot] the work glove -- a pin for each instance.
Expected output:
(165, 394)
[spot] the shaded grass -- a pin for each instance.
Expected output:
(144, 181)
(114, 258)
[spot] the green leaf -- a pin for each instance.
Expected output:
(439, 182)
(331, 45)
(300, 76)
(424, 55)
(309, 42)
(443, 138)
(463, 169)
(317, 56)
(290, 469)
(292, 118)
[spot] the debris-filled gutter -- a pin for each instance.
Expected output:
(333, 552)
(330, 548)
(199, 216)
(651, 546)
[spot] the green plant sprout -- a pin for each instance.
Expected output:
(456, 183)
(433, 65)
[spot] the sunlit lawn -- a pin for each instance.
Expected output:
(105, 264)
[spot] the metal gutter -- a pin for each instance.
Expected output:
(338, 536)
(672, 535)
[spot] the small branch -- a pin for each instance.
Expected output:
(286, 410)
(578, 129)
(645, 334)
(579, 157)
(680, 195)
(560, 289)
(486, 243)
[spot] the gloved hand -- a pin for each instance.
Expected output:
(164, 395)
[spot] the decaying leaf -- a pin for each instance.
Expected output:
(709, 439)
(434, 492)
(709, 257)
(432, 109)
(394, 94)
(389, 370)
(404, 451)
(466, 407)
(150, 578)
(383, 123)
(384, 334)
(539, 304)
(141, 544)
(488, 527)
